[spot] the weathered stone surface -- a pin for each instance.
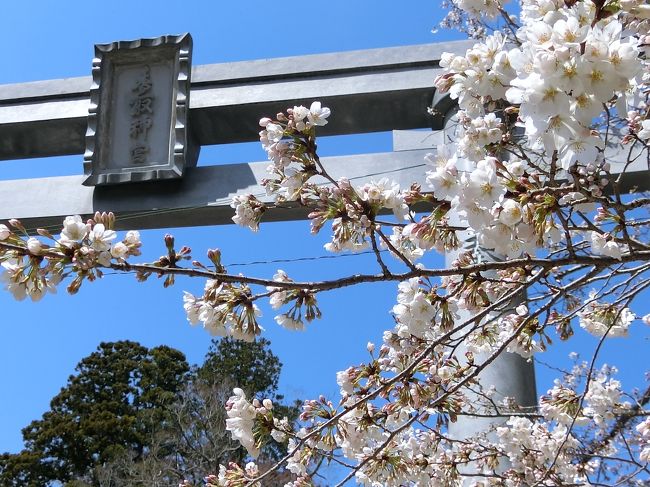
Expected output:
(137, 122)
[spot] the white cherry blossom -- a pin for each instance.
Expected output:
(318, 114)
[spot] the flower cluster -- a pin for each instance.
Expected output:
(248, 422)
(567, 70)
(537, 451)
(241, 419)
(414, 311)
(603, 399)
(529, 176)
(248, 211)
(644, 430)
(562, 404)
(224, 310)
(233, 476)
(289, 141)
(35, 266)
(294, 318)
(605, 319)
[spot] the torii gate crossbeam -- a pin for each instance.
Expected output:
(369, 90)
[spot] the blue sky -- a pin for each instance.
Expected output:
(42, 342)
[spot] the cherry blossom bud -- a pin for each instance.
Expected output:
(4, 232)
(169, 242)
(445, 372)
(74, 286)
(16, 224)
(104, 259)
(34, 246)
(132, 237)
(119, 250)
(43, 233)
(215, 256)
(370, 347)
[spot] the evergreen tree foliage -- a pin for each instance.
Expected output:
(134, 416)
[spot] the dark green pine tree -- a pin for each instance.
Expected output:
(114, 402)
(133, 416)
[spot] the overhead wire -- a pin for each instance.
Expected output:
(220, 202)
(223, 201)
(303, 259)
(279, 261)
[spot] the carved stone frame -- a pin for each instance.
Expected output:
(176, 50)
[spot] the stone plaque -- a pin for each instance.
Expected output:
(139, 102)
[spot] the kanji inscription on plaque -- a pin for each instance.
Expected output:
(139, 101)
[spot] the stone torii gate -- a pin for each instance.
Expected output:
(368, 91)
